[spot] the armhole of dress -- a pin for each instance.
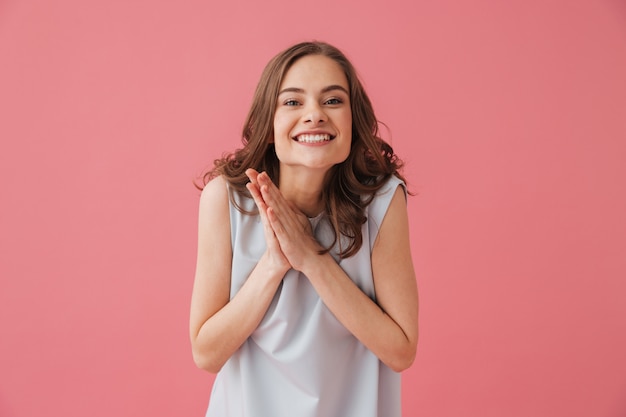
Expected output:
(379, 207)
(231, 214)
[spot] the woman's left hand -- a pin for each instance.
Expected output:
(290, 225)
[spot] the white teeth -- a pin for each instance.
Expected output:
(313, 138)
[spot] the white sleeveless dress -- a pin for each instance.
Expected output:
(301, 361)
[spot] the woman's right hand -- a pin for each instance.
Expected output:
(273, 255)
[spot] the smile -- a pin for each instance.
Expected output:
(306, 138)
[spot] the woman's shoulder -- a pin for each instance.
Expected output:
(220, 191)
(393, 181)
(383, 197)
(214, 193)
(389, 186)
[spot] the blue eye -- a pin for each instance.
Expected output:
(291, 103)
(334, 101)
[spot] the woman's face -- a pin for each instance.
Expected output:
(313, 119)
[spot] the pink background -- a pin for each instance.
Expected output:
(511, 117)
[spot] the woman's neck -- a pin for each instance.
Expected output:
(303, 187)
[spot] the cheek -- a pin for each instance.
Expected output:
(281, 131)
(280, 126)
(347, 122)
(348, 130)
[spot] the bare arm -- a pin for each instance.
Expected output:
(218, 327)
(389, 328)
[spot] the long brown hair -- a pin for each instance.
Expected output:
(350, 185)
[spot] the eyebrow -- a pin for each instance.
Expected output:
(324, 90)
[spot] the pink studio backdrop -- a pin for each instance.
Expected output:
(511, 117)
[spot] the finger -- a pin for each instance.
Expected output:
(268, 190)
(264, 179)
(272, 195)
(289, 228)
(254, 191)
(262, 207)
(252, 174)
(270, 236)
(284, 211)
(276, 224)
(257, 197)
(274, 200)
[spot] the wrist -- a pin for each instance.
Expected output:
(275, 269)
(313, 263)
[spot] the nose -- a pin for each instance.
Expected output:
(315, 114)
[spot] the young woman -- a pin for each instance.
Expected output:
(305, 301)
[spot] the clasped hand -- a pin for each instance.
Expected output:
(288, 233)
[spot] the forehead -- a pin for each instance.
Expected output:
(313, 72)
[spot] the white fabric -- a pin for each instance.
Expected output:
(301, 361)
